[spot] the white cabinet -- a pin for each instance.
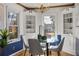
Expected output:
(68, 29)
(30, 24)
(68, 23)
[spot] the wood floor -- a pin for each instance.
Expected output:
(52, 53)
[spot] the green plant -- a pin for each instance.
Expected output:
(39, 37)
(4, 33)
(44, 38)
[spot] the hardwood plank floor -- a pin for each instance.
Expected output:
(52, 53)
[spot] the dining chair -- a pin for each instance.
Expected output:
(35, 47)
(58, 47)
(26, 47)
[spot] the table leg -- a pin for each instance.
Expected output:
(47, 50)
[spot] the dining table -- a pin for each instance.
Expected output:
(46, 45)
(47, 49)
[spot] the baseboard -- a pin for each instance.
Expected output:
(72, 52)
(69, 53)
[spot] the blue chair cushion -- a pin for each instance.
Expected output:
(56, 41)
(59, 37)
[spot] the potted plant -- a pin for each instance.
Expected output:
(4, 33)
(39, 37)
(44, 38)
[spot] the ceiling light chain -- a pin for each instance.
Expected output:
(43, 9)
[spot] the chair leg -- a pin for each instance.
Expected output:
(25, 52)
(44, 52)
(58, 53)
(50, 52)
(31, 55)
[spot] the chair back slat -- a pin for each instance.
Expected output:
(61, 44)
(35, 47)
(23, 42)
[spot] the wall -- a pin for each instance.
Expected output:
(37, 23)
(16, 44)
(76, 30)
(2, 16)
(12, 7)
(69, 43)
(22, 14)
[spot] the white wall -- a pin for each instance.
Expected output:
(69, 38)
(37, 23)
(69, 43)
(57, 12)
(12, 7)
(2, 16)
(76, 22)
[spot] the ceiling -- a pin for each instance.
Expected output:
(44, 6)
(38, 5)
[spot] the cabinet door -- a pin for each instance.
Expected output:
(18, 46)
(13, 47)
(68, 33)
(9, 49)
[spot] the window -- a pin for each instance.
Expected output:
(13, 25)
(49, 26)
(68, 23)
